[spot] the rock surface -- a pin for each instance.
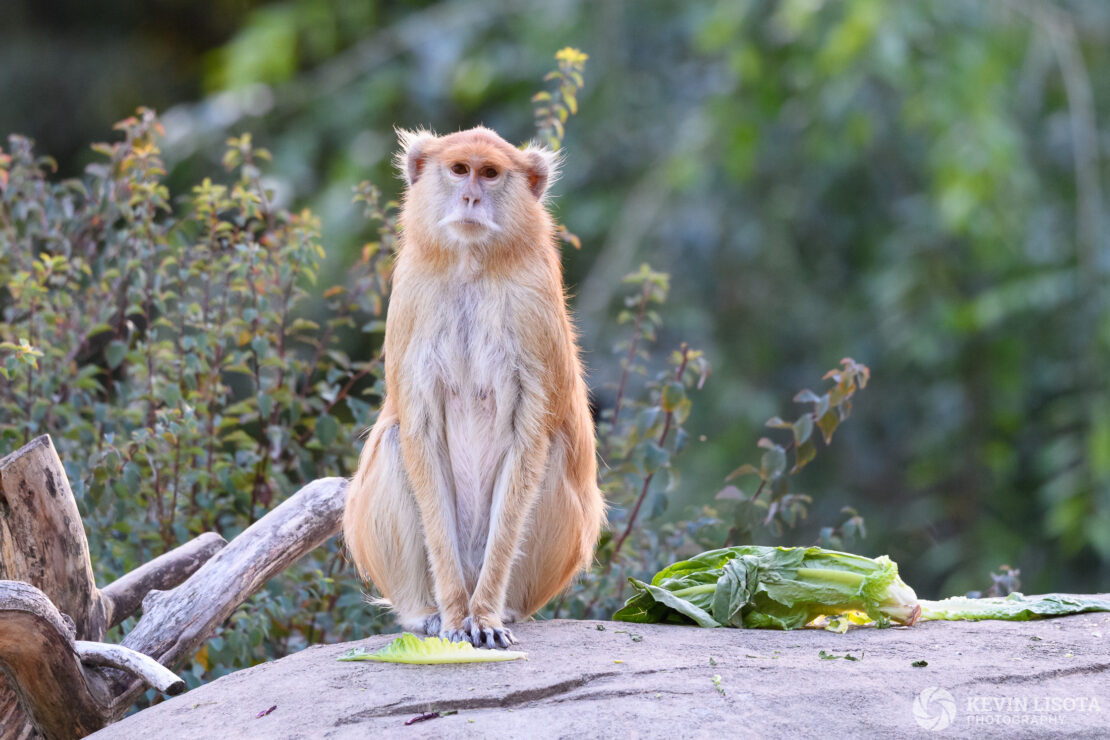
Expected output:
(611, 679)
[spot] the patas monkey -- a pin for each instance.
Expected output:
(476, 498)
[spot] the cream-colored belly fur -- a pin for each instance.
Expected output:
(477, 375)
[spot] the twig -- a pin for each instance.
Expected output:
(648, 478)
(144, 667)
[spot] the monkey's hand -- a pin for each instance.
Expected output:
(485, 631)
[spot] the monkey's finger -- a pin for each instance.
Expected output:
(504, 638)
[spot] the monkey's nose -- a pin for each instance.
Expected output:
(471, 200)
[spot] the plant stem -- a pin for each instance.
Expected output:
(648, 478)
(691, 590)
(637, 333)
(831, 575)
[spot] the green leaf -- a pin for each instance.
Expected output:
(641, 608)
(675, 602)
(655, 457)
(327, 428)
(570, 100)
(731, 493)
(132, 477)
(806, 396)
(409, 648)
(1016, 607)
(803, 427)
(745, 469)
(828, 423)
(776, 423)
(773, 462)
(265, 405)
(239, 438)
(673, 394)
(114, 353)
(802, 455)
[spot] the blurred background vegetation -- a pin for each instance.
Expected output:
(916, 185)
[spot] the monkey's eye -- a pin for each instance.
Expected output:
(489, 173)
(459, 168)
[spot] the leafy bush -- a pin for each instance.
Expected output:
(171, 358)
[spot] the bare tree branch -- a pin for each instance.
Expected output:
(124, 596)
(152, 673)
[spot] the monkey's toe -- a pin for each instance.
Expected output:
(494, 637)
(481, 635)
(460, 635)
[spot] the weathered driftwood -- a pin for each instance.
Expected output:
(52, 616)
(176, 623)
(43, 543)
(38, 657)
(124, 596)
(153, 673)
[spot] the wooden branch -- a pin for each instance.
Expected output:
(43, 543)
(44, 556)
(42, 540)
(37, 655)
(152, 673)
(176, 623)
(124, 596)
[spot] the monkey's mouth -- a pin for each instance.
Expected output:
(470, 224)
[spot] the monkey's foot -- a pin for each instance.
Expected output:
(485, 633)
(480, 633)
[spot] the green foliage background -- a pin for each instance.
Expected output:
(915, 185)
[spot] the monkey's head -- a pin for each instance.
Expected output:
(473, 188)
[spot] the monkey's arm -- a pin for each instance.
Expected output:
(525, 407)
(419, 399)
(514, 495)
(423, 448)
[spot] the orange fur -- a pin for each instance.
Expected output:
(476, 498)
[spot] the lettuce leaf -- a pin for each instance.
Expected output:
(1016, 607)
(408, 648)
(772, 587)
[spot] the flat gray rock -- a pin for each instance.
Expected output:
(612, 679)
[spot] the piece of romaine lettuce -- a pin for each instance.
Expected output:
(1016, 607)
(775, 587)
(408, 648)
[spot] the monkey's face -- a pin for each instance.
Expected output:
(473, 187)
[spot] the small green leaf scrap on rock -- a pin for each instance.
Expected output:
(408, 648)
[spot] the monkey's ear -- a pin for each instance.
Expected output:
(414, 153)
(542, 168)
